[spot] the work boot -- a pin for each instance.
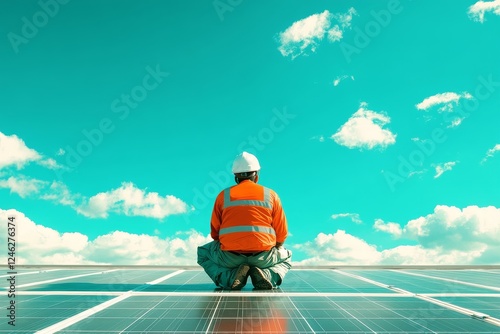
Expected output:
(241, 277)
(260, 279)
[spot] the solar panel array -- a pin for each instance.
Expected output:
(173, 300)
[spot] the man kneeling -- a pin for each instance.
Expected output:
(249, 228)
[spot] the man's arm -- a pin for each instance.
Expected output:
(216, 220)
(279, 221)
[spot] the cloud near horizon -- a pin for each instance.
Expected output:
(446, 236)
(43, 245)
(449, 235)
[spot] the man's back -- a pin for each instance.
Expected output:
(248, 218)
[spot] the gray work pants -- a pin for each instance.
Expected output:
(221, 266)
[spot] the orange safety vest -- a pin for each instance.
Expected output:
(248, 217)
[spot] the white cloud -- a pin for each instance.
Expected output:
(477, 10)
(13, 151)
(445, 101)
(22, 186)
(43, 245)
(354, 217)
(444, 167)
(49, 163)
(29, 187)
(345, 19)
(449, 235)
(452, 228)
(307, 33)
(392, 228)
(132, 201)
(365, 130)
(127, 199)
(456, 122)
(411, 255)
(335, 34)
(338, 248)
(491, 152)
(338, 79)
(59, 193)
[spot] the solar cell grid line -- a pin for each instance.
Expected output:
(352, 316)
(63, 278)
(301, 315)
(453, 307)
(449, 280)
(411, 321)
(87, 313)
(418, 284)
(31, 272)
(213, 315)
(372, 281)
(141, 316)
(472, 313)
(485, 304)
(473, 276)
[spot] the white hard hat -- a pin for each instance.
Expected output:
(245, 162)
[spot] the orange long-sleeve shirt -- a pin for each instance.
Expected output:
(248, 217)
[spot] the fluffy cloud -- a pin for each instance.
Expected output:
(451, 228)
(491, 152)
(127, 199)
(365, 130)
(13, 151)
(43, 245)
(354, 217)
(132, 201)
(391, 228)
(55, 191)
(338, 248)
(22, 186)
(477, 10)
(445, 101)
(410, 255)
(444, 167)
(449, 235)
(307, 33)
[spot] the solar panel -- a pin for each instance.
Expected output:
(313, 300)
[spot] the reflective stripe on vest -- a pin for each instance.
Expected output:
(247, 228)
(266, 203)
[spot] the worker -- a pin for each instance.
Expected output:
(249, 228)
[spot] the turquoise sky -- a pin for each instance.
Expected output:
(376, 123)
